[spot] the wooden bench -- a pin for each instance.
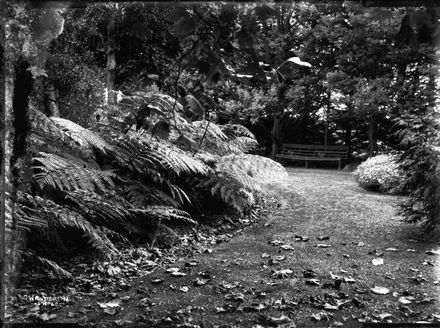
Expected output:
(313, 153)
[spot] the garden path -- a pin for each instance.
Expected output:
(335, 229)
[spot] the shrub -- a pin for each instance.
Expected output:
(380, 173)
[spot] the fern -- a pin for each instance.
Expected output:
(242, 144)
(164, 213)
(59, 173)
(141, 195)
(179, 162)
(230, 190)
(236, 130)
(36, 214)
(48, 264)
(82, 136)
(252, 170)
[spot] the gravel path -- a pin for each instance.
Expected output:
(328, 229)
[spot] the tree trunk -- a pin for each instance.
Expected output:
(372, 140)
(276, 135)
(111, 59)
(347, 141)
(51, 100)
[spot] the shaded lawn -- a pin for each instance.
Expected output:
(315, 203)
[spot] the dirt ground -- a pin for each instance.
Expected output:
(331, 255)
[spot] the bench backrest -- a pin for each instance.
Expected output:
(315, 150)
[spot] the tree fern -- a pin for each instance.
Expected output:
(141, 195)
(53, 170)
(230, 191)
(242, 144)
(236, 130)
(164, 213)
(48, 264)
(82, 136)
(36, 214)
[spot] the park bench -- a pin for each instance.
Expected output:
(313, 153)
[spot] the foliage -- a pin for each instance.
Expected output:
(381, 173)
(148, 180)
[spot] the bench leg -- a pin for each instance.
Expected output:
(307, 164)
(339, 165)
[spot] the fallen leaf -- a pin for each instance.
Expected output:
(322, 316)
(321, 238)
(275, 242)
(330, 307)
(200, 282)
(334, 276)
(404, 300)
(322, 245)
(220, 309)
(360, 244)
(286, 247)
(410, 250)
(178, 274)
(191, 264)
(282, 273)
(108, 305)
(384, 316)
(280, 258)
(349, 280)
(156, 280)
(301, 238)
(428, 263)
(228, 285)
(265, 255)
(380, 290)
(207, 250)
(171, 270)
(414, 270)
(433, 252)
(184, 289)
(254, 307)
(378, 261)
(313, 282)
(274, 321)
(236, 297)
(391, 249)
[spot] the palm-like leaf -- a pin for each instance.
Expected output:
(36, 214)
(53, 170)
(82, 136)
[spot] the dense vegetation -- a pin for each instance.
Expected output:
(130, 116)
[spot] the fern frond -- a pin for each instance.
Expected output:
(141, 195)
(214, 131)
(35, 213)
(165, 213)
(252, 170)
(82, 136)
(236, 130)
(66, 218)
(242, 144)
(48, 264)
(230, 191)
(62, 174)
(179, 162)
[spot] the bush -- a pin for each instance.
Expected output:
(380, 173)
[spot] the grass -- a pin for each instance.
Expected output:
(314, 203)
